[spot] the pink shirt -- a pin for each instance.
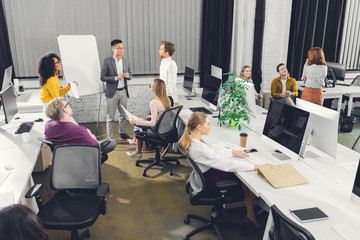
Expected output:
(156, 108)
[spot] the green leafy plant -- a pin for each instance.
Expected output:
(233, 102)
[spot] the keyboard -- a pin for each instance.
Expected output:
(24, 127)
(6, 199)
(346, 232)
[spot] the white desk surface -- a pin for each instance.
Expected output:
(22, 156)
(329, 184)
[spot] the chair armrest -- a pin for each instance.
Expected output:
(227, 184)
(102, 190)
(104, 144)
(143, 127)
(33, 191)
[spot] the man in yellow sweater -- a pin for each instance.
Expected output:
(284, 87)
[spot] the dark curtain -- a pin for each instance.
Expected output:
(216, 34)
(314, 23)
(5, 53)
(258, 43)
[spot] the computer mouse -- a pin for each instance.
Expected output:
(39, 120)
(9, 166)
(278, 151)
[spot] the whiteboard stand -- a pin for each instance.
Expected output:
(98, 116)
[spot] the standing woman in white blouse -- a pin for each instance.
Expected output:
(216, 164)
(246, 75)
(314, 73)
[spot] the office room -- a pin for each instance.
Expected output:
(96, 96)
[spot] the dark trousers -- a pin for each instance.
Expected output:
(171, 101)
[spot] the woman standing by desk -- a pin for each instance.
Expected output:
(246, 75)
(314, 73)
(48, 68)
(216, 164)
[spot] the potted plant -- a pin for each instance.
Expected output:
(233, 102)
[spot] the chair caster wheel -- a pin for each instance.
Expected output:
(171, 173)
(144, 174)
(186, 239)
(137, 164)
(178, 163)
(186, 221)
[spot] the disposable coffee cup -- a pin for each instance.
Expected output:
(25, 137)
(243, 139)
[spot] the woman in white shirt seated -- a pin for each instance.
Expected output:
(216, 164)
(157, 107)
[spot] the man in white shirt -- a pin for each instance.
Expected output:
(168, 71)
(116, 72)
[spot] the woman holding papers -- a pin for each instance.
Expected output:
(48, 68)
(246, 75)
(157, 107)
(314, 73)
(215, 163)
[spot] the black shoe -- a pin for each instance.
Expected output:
(250, 225)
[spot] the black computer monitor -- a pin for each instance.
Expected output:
(338, 69)
(286, 125)
(355, 194)
(188, 84)
(210, 93)
(8, 104)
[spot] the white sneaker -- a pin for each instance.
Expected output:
(134, 154)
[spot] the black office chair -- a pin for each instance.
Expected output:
(161, 135)
(356, 146)
(229, 191)
(284, 228)
(80, 196)
(52, 146)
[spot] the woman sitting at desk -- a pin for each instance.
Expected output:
(48, 68)
(246, 75)
(216, 164)
(157, 107)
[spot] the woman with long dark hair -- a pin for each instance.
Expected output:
(48, 68)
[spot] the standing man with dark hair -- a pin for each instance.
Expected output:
(116, 72)
(168, 71)
(284, 87)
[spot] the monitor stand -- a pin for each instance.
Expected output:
(201, 109)
(310, 154)
(281, 156)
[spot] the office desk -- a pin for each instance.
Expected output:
(22, 156)
(329, 184)
(332, 200)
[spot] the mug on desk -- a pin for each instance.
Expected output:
(25, 137)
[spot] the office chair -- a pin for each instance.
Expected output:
(80, 196)
(229, 191)
(161, 135)
(356, 146)
(52, 146)
(285, 229)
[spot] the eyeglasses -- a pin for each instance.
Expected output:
(58, 62)
(119, 48)
(66, 105)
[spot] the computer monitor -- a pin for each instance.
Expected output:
(286, 125)
(216, 72)
(355, 194)
(338, 69)
(7, 78)
(8, 104)
(188, 84)
(210, 93)
(323, 128)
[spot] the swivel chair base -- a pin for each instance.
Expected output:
(157, 162)
(75, 235)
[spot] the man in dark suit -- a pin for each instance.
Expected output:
(116, 72)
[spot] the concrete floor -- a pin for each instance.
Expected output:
(152, 207)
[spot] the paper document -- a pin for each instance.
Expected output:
(74, 90)
(128, 114)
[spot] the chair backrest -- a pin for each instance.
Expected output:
(356, 81)
(356, 146)
(285, 229)
(196, 173)
(75, 167)
(165, 127)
